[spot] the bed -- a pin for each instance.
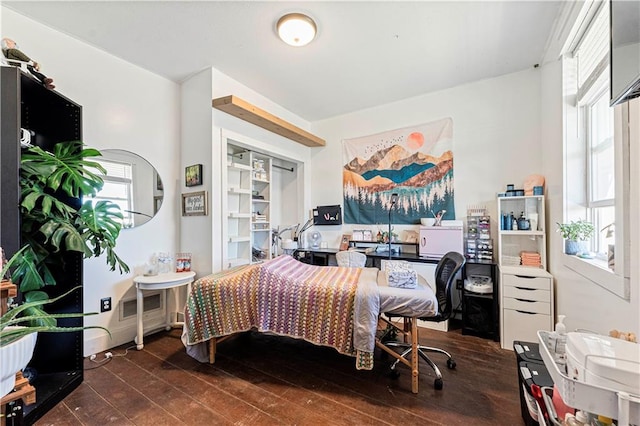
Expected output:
(325, 305)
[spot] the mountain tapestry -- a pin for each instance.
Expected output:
(415, 162)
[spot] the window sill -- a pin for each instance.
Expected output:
(596, 271)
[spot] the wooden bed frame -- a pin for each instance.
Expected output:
(409, 332)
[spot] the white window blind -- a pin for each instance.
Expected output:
(592, 54)
(116, 170)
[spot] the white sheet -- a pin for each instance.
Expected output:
(410, 302)
(367, 306)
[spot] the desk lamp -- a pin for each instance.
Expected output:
(394, 200)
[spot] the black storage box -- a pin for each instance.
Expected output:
(527, 351)
(532, 376)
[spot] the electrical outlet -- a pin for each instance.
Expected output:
(105, 304)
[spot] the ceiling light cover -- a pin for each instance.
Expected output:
(296, 29)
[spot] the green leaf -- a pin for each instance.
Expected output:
(26, 272)
(9, 336)
(102, 223)
(36, 296)
(50, 226)
(15, 312)
(64, 236)
(44, 322)
(67, 169)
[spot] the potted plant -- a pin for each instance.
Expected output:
(54, 222)
(18, 329)
(51, 224)
(575, 235)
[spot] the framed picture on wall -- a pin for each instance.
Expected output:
(194, 204)
(193, 175)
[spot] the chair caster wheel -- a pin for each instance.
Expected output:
(394, 374)
(437, 384)
(451, 364)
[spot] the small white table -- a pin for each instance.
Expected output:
(164, 282)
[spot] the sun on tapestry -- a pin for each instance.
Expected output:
(415, 162)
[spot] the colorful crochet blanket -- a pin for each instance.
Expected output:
(320, 304)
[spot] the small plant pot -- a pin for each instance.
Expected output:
(574, 247)
(15, 357)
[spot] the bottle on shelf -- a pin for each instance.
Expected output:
(523, 223)
(579, 419)
(559, 341)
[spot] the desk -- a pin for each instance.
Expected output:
(158, 282)
(319, 256)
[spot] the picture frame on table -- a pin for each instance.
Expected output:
(344, 242)
(194, 204)
(193, 175)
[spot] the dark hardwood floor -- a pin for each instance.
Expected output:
(267, 380)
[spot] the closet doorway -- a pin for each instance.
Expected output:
(263, 199)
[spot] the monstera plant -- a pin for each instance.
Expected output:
(54, 222)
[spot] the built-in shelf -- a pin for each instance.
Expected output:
(239, 239)
(251, 113)
(238, 166)
(239, 191)
(236, 215)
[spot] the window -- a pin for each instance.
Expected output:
(596, 171)
(598, 120)
(118, 188)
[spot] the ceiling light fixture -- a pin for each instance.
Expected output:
(296, 29)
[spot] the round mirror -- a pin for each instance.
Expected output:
(132, 183)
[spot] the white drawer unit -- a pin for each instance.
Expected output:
(526, 304)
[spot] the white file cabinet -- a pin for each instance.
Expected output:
(527, 304)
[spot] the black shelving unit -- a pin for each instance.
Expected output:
(52, 118)
(480, 312)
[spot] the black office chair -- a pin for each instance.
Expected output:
(445, 275)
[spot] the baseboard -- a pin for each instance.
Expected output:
(440, 326)
(101, 342)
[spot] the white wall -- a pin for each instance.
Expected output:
(585, 304)
(505, 129)
(196, 148)
(261, 139)
(496, 140)
(124, 107)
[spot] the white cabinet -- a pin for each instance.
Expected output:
(527, 304)
(247, 234)
(526, 288)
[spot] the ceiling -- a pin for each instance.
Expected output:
(366, 53)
